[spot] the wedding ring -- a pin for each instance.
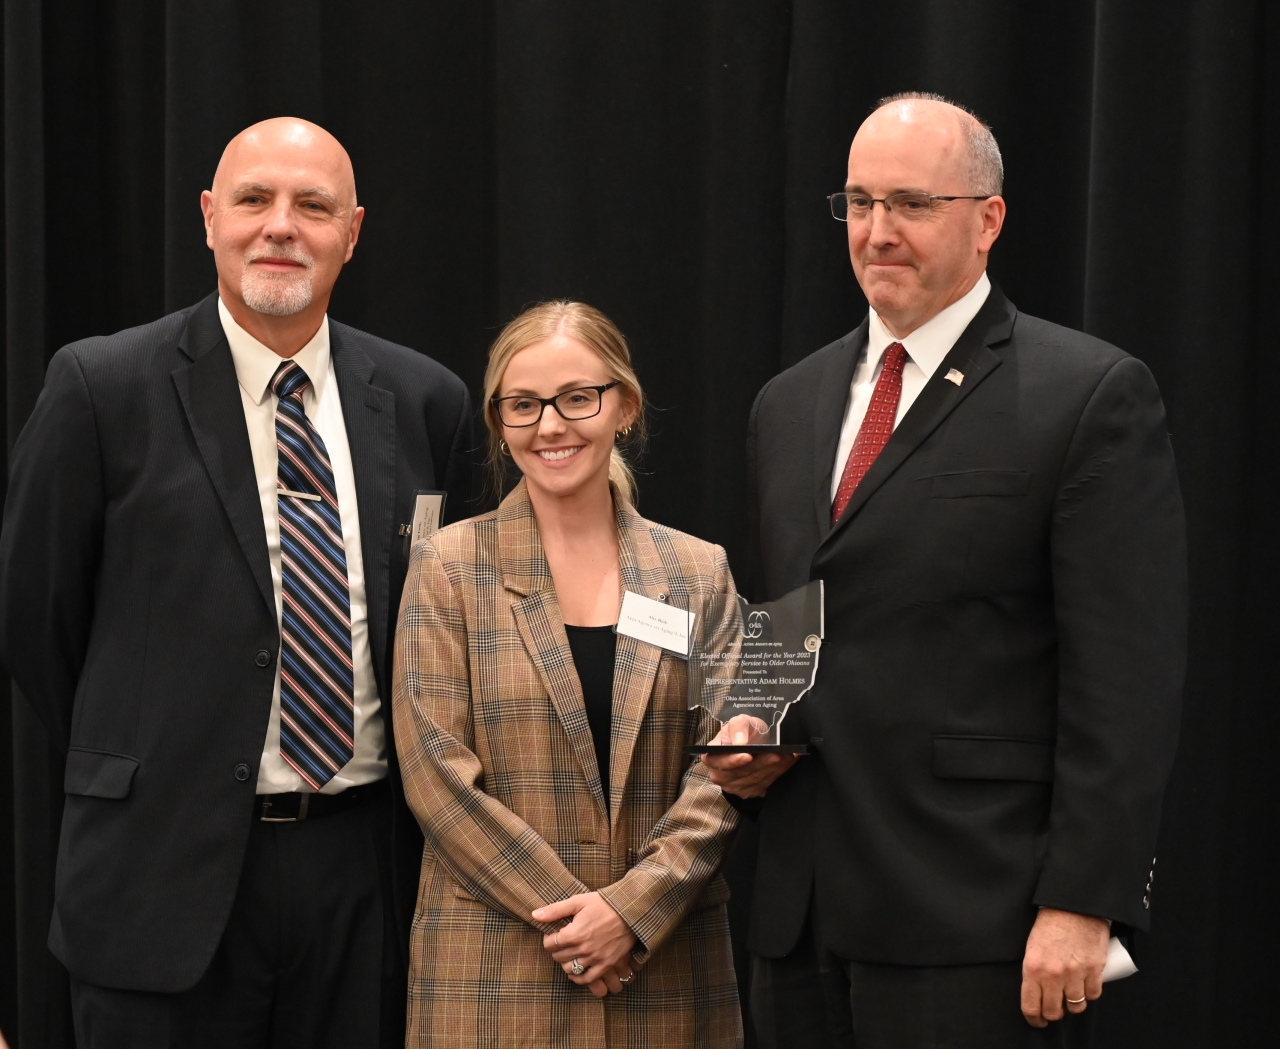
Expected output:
(626, 979)
(1076, 1001)
(577, 968)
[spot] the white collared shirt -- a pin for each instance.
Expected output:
(926, 347)
(255, 366)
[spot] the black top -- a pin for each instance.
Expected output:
(593, 650)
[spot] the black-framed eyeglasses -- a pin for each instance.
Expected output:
(572, 405)
(910, 206)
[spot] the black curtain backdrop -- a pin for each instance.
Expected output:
(667, 162)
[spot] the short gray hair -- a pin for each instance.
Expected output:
(986, 168)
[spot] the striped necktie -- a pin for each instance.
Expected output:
(317, 720)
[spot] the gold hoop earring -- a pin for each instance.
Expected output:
(622, 435)
(502, 447)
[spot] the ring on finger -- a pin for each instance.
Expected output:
(626, 979)
(1077, 1001)
(577, 968)
(556, 939)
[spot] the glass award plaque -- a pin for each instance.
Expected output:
(755, 660)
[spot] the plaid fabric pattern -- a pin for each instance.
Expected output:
(500, 770)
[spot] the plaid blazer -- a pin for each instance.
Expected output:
(499, 768)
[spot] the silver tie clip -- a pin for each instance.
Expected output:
(954, 376)
(299, 495)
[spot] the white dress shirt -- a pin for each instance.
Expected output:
(255, 367)
(926, 347)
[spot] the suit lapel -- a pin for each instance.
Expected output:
(369, 414)
(828, 418)
(210, 395)
(537, 614)
(974, 359)
(636, 667)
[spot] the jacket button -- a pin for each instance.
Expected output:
(1146, 903)
(242, 772)
(263, 658)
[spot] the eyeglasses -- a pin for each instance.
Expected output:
(572, 405)
(910, 206)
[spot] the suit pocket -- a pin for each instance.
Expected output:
(992, 757)
(967, 483)
(99, 773)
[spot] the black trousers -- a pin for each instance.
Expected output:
(812, 999)
(308, 959)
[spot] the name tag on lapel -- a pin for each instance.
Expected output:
(655, 623)
(428, 509)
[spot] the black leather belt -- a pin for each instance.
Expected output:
(294, 808)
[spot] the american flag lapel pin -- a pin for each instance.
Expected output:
(954, 376)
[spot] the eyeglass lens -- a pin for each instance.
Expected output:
(846, 206)
(572, 404)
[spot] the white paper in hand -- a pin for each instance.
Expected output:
(1119, 963)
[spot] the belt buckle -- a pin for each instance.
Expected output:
(303, 802)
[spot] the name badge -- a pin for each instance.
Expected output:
(655, 623)
(428, 509)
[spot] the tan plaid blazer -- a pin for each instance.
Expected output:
(500, 769)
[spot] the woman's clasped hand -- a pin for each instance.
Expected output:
(594, 939)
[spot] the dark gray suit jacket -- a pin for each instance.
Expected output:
(136, 597)
(997, 699)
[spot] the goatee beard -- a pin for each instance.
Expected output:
(277, 294)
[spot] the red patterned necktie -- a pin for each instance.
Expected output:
(876, 428)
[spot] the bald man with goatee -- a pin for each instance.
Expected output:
(201, 559)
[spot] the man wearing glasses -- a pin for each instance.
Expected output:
(992, 503)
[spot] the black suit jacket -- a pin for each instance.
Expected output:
(997, 699)
(135, 598)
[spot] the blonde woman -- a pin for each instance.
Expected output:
(569, 894)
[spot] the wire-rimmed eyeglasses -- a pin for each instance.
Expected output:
(910, 206)
(584, 402)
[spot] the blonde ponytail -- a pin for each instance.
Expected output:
(622, 477)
